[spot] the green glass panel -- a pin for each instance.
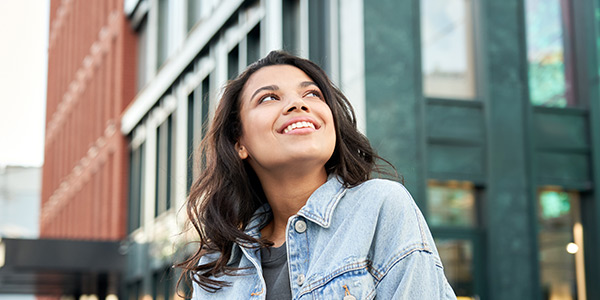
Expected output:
(554, 204)
(457, 258)
(545, 53)
(557, 265)
(451, 204)
(597, 17)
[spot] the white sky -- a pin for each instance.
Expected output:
(23, 67)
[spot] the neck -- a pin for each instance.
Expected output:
(287, 193)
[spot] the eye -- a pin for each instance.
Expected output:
(313, 93)
(268, 97)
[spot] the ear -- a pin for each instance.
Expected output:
(242, 152)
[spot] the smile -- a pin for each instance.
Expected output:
(298, 125)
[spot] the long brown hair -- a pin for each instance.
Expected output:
(227, 193)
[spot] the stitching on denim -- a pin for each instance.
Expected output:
(418, 218)
(323, 281)
(397, 259)
(323, 220)
(422, 231)
(371, 295)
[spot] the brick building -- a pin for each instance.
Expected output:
(91, 79)
(489, 109)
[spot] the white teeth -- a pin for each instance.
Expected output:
(296, 125)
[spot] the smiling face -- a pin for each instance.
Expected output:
(286, 123)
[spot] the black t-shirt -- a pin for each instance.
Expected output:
(275, 272)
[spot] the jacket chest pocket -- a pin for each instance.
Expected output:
(350, 285)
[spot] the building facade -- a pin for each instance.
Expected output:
(91, 79)
(490, 111)
(486, 108)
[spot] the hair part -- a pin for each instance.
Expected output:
(227, 193)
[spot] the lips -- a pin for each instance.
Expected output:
(299, 123)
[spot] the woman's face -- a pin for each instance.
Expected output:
(287, 126)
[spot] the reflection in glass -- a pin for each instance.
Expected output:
(162, 51)
(549, 74)
(560, 245)
(457, 257)
(194, 13)
(447, 49)
(142, 57)
(451, 203)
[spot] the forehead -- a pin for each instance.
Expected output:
(279, 75)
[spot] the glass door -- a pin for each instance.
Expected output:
(560, 238)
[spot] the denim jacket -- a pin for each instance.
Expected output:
(370, 241)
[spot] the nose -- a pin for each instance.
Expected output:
(296, 104)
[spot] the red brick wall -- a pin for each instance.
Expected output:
(91, 79)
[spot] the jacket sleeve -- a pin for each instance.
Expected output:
(408, 264)
(416, 276)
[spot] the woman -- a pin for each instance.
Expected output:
(285, 207)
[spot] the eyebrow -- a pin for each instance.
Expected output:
(302, 84)
(264, 88)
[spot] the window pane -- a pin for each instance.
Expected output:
(457, 257)
(291, 26)
(451, 204)
(163, 32)
(549, 74)
(253, 53)
(190, 138)
(559, 240)
(135, 190)
(169, 162)
(233, 63)
(142, 75)
(319, 33)
(447, 49)
(158, 188)
(164, 144)
(193, 13)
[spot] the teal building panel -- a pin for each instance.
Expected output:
(563, 169)
(393, 87)
(511, 257)
(456, 161)
(455, 121)
(557, 128)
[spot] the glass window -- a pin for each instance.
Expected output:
(319, 35)
(194, 13)
(560, 238)
(136, 180)
(457, 257)
(233, 59)
(291, 26)
(253, 45)
(162, 285)
(142, 57)
(198, 102)
(163, 33)
(205, 104)
(447, 49)
(550, 68)
(190, 139)
(164, 144)
(134, 290)
(451, 203)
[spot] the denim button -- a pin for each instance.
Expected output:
(300, 279)
(300, 226)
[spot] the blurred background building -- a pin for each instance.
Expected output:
(489, 109)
